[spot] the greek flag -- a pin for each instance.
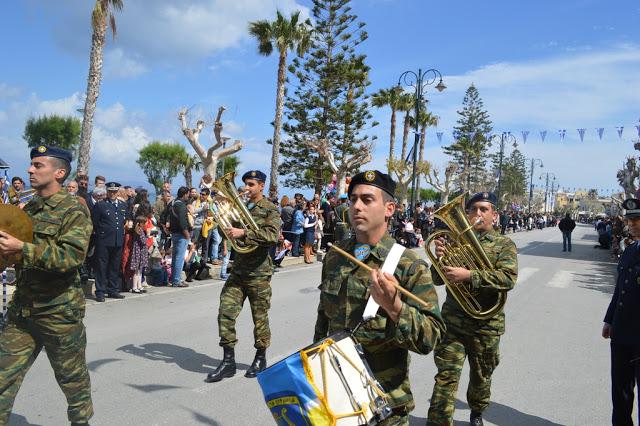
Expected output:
(439, 135)
(619, 129)
(581, 132)
(5, 196)
(543, 134)
(409, 159)
(601, 131)
(525, 135)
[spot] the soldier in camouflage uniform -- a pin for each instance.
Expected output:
(468, 337)
(250, 278)
(402, 325)
(341, 231)
(48, 305)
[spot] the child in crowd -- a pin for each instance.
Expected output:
(191, 216)
(139, 254)
(166, 259)
(159, 270)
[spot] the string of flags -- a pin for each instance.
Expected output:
(568, 189)
(543, 134)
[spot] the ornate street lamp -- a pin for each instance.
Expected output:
(534, 161)
(505, 137)
(546, 190)
(418, 81)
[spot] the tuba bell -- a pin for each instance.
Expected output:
(230, 211)
(465, 252)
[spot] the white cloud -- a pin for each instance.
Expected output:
(118, 64)
(164, 32)
(8, 93)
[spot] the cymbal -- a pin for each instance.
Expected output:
(16, 223)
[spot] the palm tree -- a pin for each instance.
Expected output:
(100, 24)
(406, 103)
(189, 163)
(285, 35)
(426, 120)
(388, 97)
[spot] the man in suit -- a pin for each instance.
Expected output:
(622, 324)
(109, 217)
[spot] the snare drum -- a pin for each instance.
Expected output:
(328, 383)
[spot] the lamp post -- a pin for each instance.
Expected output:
(546, 190)
(505, 137)
(534, 161)
(555, 186)
(224, 145)
(418, 81)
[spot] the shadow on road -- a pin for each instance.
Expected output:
(498, 414)
(18, 420)
(185, 358)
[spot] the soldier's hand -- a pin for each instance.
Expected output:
(9, 244)
(385, 294)
(457, 275)
(606, 331)
(439, 243)
(235, 233)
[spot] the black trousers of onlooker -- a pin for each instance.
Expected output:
(108, 266)
(625, 376)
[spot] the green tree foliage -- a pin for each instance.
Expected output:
(53, 130)
(325, 104)
(430, 195)
(231, 164)
(592, 194)
(160, 162)
(471, 153)
(514, 183)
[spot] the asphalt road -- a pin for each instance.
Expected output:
(149, 354)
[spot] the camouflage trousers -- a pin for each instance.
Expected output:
(232, 297)
(63, 336)
(484, 355)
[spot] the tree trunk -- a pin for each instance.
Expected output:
(93, 91)
(277, 125)
(405, 136)
(188, 177)
(392, 139)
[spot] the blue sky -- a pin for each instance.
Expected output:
(544, 65)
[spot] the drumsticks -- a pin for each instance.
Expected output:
(369, 269)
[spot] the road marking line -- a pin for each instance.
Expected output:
(525, 273)
(561, 279)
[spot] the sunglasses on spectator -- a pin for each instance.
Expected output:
(83, 184)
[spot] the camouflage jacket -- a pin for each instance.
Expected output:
(258, 263)
(344, 294)
(503, 254)
(47, 276)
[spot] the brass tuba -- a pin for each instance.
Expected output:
(230, 211)
(466, 252)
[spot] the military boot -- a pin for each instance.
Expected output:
(476, 418)
(227, 367)
(259, 364)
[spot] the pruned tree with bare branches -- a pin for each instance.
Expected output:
(403, 172)
(628, 177)
(454, 180)
(209, 157)
(346, 164)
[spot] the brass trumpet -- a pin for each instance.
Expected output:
(467, 252)
(231, 212)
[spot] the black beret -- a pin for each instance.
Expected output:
(373, 178)
(489, 197)
(632, 207)
(50, 151)
(113, 186)
(254, 174)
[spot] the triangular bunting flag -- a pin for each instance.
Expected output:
(472, 135)
(409, 159)
(562, 132)
(439, 135)
(638, 127)
(525, 134)
(581, 132)
(543, 134)
(619, 129)
(600, 131)
(456, 135)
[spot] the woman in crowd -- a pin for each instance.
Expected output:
(310, 223)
